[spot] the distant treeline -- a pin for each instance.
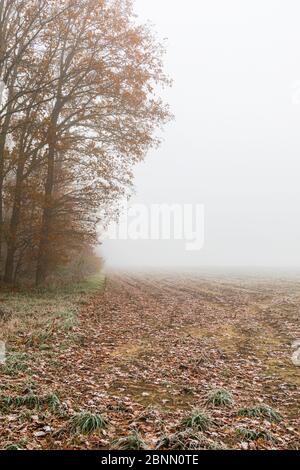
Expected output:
(78, 81)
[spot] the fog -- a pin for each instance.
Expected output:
(235, 143)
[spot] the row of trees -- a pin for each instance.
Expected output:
(78, 109)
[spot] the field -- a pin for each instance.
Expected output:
(185, 361)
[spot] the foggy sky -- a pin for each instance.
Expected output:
(235, 144)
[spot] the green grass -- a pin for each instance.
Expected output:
(87, 423)
(179, 441)
(198, 419)
(39, 339)
(253, 435)
(89, 286)
(13, 447)
(30, 401)
(53, 402)
(132, 442)
(46, 311)
(219, 398)
(15, 363)
(17, 445)
(189, 439)
(261, 411)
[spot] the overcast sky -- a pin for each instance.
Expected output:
(235, 143)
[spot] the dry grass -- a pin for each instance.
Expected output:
(38, 313)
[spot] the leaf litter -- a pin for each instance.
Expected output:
(147, 352)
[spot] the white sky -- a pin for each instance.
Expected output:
(235, 144)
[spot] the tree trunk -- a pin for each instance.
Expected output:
(3, 140)
(2, 143)
(45, 238)
(3, 135)
(14, 223)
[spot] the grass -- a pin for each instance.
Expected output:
(253, 435)
(132, 442)
(87, 423)
(15, 363)
(53, 402)
(219, 398)
(91, 284)
(13, 447)
(39, 339)
(217, 446)
(190, 439)
(261, 411)
(31, 401)
(44, 311)
(186, 440)
(198, 419)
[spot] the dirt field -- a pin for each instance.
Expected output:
(152, 348)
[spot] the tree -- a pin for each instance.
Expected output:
(21, 25)
(84, 112)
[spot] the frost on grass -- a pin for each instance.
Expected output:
(87, 423)
(133, 441)
(91, 349)
(261, 411)
(219, 398)
(30, 401)
(254, 435)
(198, 419)
(15, 363)
(189, 439)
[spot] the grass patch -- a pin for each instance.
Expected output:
(15, 363)
(39, 314)
(13, 447)
(188, 440)
(261, 411)
(87, 423)
(53, 402)
(132, 442)
(89, 286)
(219, 398)
(253, 435)
(198, 419)
(39, 339)
(30, 401)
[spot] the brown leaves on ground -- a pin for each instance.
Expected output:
(148, 352)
